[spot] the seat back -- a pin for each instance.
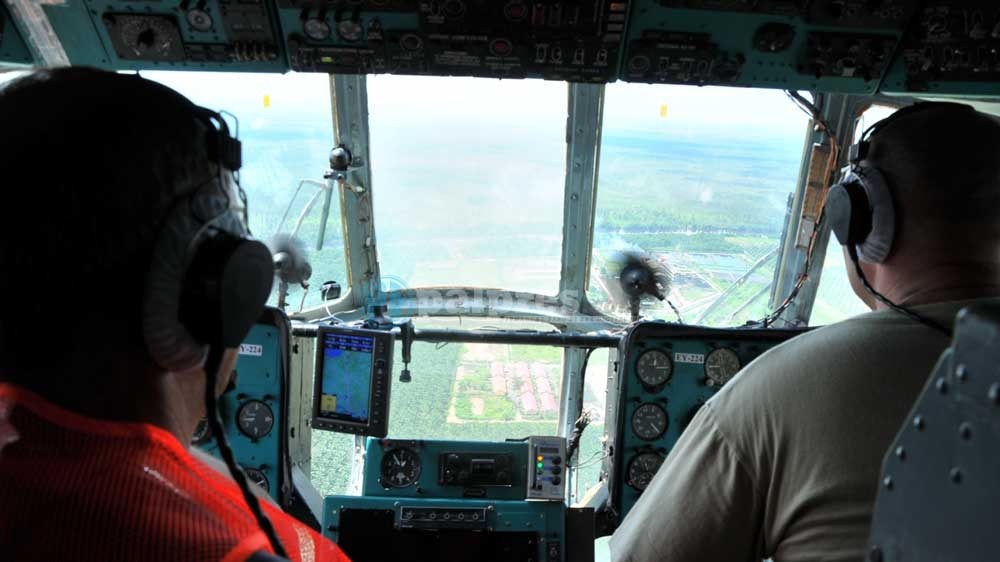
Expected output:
(940, 487)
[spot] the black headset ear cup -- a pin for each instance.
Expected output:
(876, 247)
(848, 210)
(225, 288)
(861, 213)
(838, 213)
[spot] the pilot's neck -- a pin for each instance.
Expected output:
(942, 282)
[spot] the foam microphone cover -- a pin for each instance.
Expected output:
(640, 273)
(291, 264)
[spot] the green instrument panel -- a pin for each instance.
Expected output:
(666, 373)
(848, 46)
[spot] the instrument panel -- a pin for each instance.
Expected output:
(253, 409)
(558, 40)
(463, 469)
(445, 469)
(952, 46)
(666, 373)
(460, 500)
(402, 529)
(847, 46)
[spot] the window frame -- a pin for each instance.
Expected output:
(570, 311)
(843, 112)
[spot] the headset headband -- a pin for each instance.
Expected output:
(222, 148)
(859, 151)
(207, 281)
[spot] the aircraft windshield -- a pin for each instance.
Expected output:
(286, 128)
(468, 178)
(699, 179)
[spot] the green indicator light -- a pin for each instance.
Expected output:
(540, 465)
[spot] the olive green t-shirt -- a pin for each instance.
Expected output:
(784, 461)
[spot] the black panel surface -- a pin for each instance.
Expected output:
(370, 536)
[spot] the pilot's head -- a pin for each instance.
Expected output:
(941, 165)
(93, 164)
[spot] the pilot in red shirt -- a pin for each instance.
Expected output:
(128, 279)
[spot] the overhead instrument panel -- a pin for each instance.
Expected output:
(825, 45)
(846, 46)
(667, 373)
(953, 47)
(13, 49)
(238, 35)
(558, 40)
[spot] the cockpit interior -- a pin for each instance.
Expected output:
(518, 244)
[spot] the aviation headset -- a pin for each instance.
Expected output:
(862, 214)
(860, 208)
(207, 282)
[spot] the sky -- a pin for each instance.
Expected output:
(303, 98)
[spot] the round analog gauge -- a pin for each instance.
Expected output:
(199, 20)
(649, 421)
(721, 365)
(258, 477)
(350, 30)
(202, 433)
(149, 37)
(317, 30)
(255, 419)
(400, 468)
(654, 368)
(642, 468)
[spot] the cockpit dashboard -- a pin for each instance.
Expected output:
(460, 500)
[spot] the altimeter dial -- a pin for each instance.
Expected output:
(258, 477)
(642, 468)
(649, 421)
(721, 365)
(654, 368)
(255, 419)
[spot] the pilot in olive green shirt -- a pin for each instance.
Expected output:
(784, 461)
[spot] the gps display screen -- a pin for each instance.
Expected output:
(345, 389)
